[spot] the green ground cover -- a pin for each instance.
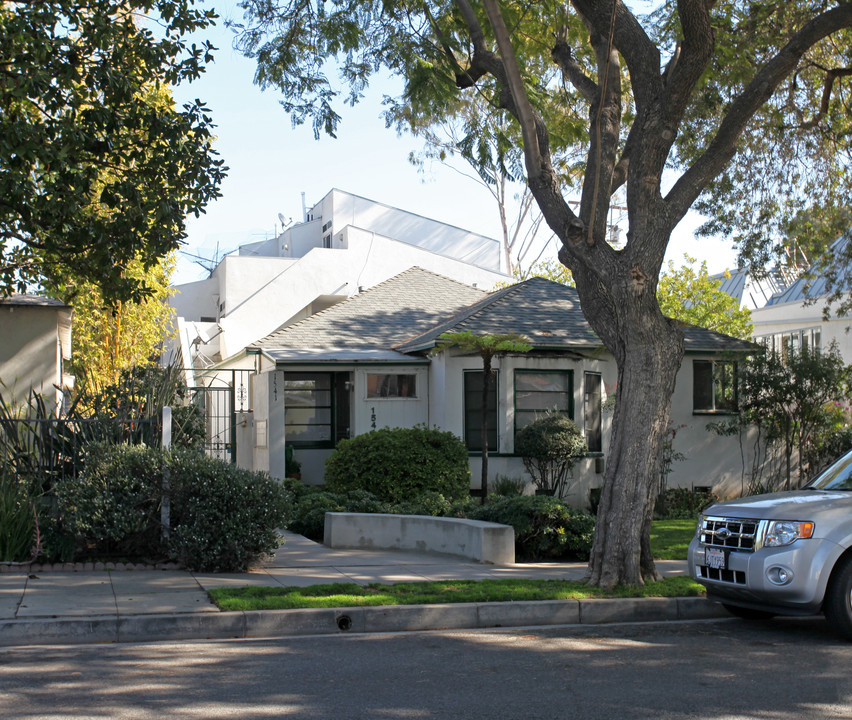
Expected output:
(425, 593)
(670, 538)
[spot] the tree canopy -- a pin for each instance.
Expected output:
(692, 296)
(659, 106)
(97, 166)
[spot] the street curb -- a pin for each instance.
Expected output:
(330, 621)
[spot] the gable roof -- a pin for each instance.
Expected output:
(367, 326)
(550, 316)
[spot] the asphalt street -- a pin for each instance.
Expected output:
(785, 669)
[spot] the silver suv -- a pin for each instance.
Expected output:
(786, 553)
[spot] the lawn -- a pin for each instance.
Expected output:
(670, 538)
(669, 541)
(447, 591)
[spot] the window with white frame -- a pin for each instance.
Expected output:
(714, 386)
(391, 385)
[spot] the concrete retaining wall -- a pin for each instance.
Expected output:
(482, 541)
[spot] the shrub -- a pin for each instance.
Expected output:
(113, 506)
(18, 521)
(548, 447)
(427, 503)
(224, 518)
(398, 464)
(309, 514)
(508, 486)
(545, 527)
(682, 504)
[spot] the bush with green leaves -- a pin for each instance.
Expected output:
(426, 503)
(309, 513)
(224, 518)
(398, 464)
(549, 447)
(682, 504)
(545, 527)
(506, 486)
(19, 525)
(113, 506)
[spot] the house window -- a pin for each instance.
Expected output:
(308, 408)
(714, 386)
(592, 411)
(391, 386)
(537, 392)
(473, 411)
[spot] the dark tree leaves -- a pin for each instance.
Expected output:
(97, 166)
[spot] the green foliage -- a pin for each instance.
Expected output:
(792, 400)
(114, 504)
(508, 486)
(397, 464)
(309, 513)
(112, 338)
(225, 517)
(545, 527)
(487, 346)
(549, 447)
(222, 518)
(694, 297)
(18, 518)
(682, 504)
(427, 503)
(97, 167)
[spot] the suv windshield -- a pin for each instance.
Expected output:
(835, 477)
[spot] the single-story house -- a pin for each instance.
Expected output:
(36, 344)
(366, 363)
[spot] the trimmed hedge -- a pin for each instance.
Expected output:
(397, 464)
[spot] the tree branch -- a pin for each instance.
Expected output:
(724, 145)
(563, 58)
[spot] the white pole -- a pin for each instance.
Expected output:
(166, 504)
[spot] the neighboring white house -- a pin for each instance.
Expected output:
(365, 363)
(344, 245)
(788, 311)
(35, 342)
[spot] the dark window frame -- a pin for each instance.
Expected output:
(714, 387)
(472, 431)
(541, 410)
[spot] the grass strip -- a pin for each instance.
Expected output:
(670, 538)
(446, 591)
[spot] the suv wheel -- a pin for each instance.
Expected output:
(838, 598)
(748, 613)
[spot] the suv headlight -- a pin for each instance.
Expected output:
(784, 532)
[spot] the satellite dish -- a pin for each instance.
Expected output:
(284, 221)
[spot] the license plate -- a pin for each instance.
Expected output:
(716, 558)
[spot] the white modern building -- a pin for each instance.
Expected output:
(344, 245)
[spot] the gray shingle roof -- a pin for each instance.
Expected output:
(368, 325)
(31, 301)
(408, 313)
(549, 315)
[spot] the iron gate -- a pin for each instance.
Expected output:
(221, 394)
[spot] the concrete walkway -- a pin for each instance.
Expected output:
(141, 605)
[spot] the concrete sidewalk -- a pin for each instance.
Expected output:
(59, 607)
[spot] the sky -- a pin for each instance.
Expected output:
(272, 163)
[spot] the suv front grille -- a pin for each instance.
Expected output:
(729, 533)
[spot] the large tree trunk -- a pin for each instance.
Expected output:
(647, 365)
